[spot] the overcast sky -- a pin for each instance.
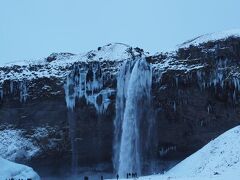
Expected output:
(35, 28)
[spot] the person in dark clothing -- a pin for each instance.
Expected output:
(135, 175)
(117, 176)
(132, 175)
(101, 177)
(85, 178)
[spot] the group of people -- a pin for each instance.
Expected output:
(129, 175)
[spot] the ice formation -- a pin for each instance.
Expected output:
(219, 78)
(122, 85)
(133, 91)
(87, 82)
(23, 91)
(1, 92)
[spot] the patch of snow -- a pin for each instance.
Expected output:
(115, 51)
(13, 145)
(211, 37)
(171, 64)
(10, 170)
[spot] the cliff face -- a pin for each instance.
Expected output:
(195, 97)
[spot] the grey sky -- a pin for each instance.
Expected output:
(35, 28)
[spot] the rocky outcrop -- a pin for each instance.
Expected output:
(195, 96)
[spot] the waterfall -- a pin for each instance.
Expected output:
(133, 99)
(122, 84)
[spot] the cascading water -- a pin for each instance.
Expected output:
(122, 84)
(133, 97)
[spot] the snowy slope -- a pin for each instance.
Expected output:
(220, 156)
(211, 37)
(10, 170)
(219, 159)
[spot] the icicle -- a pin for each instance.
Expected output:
(234, 96)
(23, 91)
(1, 92)
(164, 151)
(174, 106)
(11, 87)
(236, 83)
(70, 94)
(176, 80)
(76, 87)
(209, 108)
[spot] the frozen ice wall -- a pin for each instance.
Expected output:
(133, 93)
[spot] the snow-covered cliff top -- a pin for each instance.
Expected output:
(110, 52)
(57, 63)
(211, 37)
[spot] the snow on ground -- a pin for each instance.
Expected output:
(219, 159)
(9, 170)
(211, 37)
(13, 145)
(220, 156)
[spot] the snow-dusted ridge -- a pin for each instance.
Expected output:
(111, 52)
(210, 37)
(56, 64)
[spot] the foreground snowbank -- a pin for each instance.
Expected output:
(16, 171)
(219, 159)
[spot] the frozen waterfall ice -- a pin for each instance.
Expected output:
(133, 96)
(122, 84)
(84, 83)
